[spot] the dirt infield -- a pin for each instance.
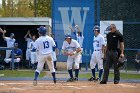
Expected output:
(65, 87)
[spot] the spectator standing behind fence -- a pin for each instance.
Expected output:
(17, 56)
(10, 42)
(79, 38)
(28, 51)
(137, 61)
(114, 39)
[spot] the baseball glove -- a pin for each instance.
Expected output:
(121, 62)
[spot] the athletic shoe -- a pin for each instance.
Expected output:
(98, 79)
(91, 79)
(70, 80)
(116, 82)
(75, 79)
(35, 82)
(103, 82)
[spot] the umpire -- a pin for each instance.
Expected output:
(114, 40)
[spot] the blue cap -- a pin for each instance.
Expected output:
(12, 34)
(42, 30)
(96, 28)
(68, 36)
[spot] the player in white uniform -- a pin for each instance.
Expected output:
(28, 51)
(72, 49)
(98, 53)
(44, 46)
(10, 42)
(79, 38)
(33, 52)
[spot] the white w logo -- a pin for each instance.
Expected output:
(78, 16)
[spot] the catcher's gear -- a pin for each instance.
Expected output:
(42, 30)
(96, 28)
(121, 61)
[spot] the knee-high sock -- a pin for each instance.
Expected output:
(70, 73)
(100, 73)
(53, 75)
(36, 75)
(76, 72)
(93, 72)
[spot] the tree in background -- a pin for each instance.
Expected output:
(42, 8)
(25, 8)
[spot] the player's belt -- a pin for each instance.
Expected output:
(97, 50)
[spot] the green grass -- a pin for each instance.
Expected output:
(30, 73)
(16, 73)
(111, 75)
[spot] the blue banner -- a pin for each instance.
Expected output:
(67, 13)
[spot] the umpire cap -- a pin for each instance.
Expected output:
(42, 30)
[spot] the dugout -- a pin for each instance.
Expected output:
(19, 26)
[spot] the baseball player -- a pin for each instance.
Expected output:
(44, 46)
(72, 49)
(17, 55)
(98, 53)
(28, 51)
(79, 38)
(10, 42)
(33, 52)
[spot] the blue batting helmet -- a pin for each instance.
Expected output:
(42, 30)
(96, 28)
(68, 36)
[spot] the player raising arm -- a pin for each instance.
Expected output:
(9, 40)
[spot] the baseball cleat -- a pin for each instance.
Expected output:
(103, 82)
(116, 82)
(91, 79)
(98, 79)
(70, 80)
(35, 82)
(75, 79)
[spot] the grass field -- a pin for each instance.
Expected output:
(30, 73)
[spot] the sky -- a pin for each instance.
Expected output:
(0, 1)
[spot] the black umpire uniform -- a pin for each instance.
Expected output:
(112, 56)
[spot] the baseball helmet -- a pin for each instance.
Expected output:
(96, 28)
(42, 30)
(68, 36)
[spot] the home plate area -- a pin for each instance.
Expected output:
(67, 87)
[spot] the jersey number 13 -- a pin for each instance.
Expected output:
(46, 44)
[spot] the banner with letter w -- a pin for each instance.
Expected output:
(68, 13)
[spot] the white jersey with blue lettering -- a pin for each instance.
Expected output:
(29, 40)
(10, 42)
(98, 42)
(70, 47)
(44, 44)
(32, 46)
(80, 39)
